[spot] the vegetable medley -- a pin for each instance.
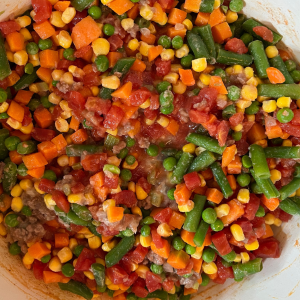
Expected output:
(147, 147)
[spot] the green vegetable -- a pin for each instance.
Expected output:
(95, 12)
(80, 5)
(207, 37)
(197, 45)
(12, 142)
(201, 162)
(279, 90)
(208, 254)
(77, 287)
(164, 41)
(102, 63)
(251, 267)
(231, 58)
(243, 179)
(169, 163)
(178, 243)
(290, 188)
(32, 48)
(290, 207)
(99, 273)
(9, 178)
(81, 211)
(177, 42)
(285, 115)
(207, 6)
(108, 29)
(152, 150)
(45, 44)
(26, 80)
(279, 64)
(14, 249)
(68, 270)
(201, 233)
(181, 167)
(221, 180)
(156, 269)
(247, 38)
(4, 64)
(209, 215)
(77, 150)
(234, 93)
(11, 220)
(259, 162)
(26, 147)
(73, 218)
(217, 226)
(260, 212)
(236, 5)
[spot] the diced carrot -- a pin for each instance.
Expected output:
(43, 117)
(217, 83)
(173, 127)
(113, 57)
(178, 259)
(213, 276)
(271, 203)
(172, 32)
(62, 5)
(16, 111)
(44, 74)
(136, 128)
(81, 36)
(177, 219)
(53, 223)
(79, 136)
(120, 296)
(234, 242)
(60, 142)
(284, 54)
(232, 182)
(38, 250)
(34, 160)
(154, 52)
(201, 190)
(189, 291)
(48, 149)
(85, 92)
(214, 195)
(128, 109)
(256, 133)
(52, 277)
(15, 157)
(176, 16)
(15, 41)
(74, 124)
(192, 5)
(149, 38)
(61, 240)
(97, 179)
(120, 6)
(285, 135)
(138, 65)
(164, 251)
(188, 237)
(12, 78)
(236, 211)
(269, 232)
(209, 69)
(202, 18)
(216, 17)
(44, 30)
(187, 77)
(73, 160)
(133, 12)
(273, 132)
(221, 32)
(197, 264)
(49, 59)
(275, 76)
(124, 91)
(235, 166)
(105, 239)
(23, 96)
(159, 15)
(36, 172)
(114, 213)
(207, 174)
(228, 155)
(117, 293)
(182, 194)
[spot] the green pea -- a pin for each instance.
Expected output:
(217, 226)
(123, 16)
(243, 179)
(220, 72)
(68, 270)
(130, 142)
(145, 230)
(152, 150)
(186, 61)
(28, 68)
(228, 111)
(102, 63)
(237, 135)
(26, 147)
(255, 188)
(125, 174)
(111, 168)
(164, 41)
(253, 108)
(296, 75)
(163, 86)
(32, 48)
(234, 93)
(69, 54)
(246, 161)
(142, 23)
(46, 259)
(156, 269)
(208, 255)
(127, 232)
(45, 102)
(49, 174)
(147, 221)
(205, 279)
(95, 12)
(285, 115)
(55, 82)
(12, 142)
(26, 211)
(260, 212)
(78, 249)
(45, 44)
(130, 160)
(14, 249)
(169, 163)
(209, 215)
(177, 42)
(22, 170)
(108, 29)
(236, 5)
(166, 110)
(11, 220)
(34, 104)
(178, 243)
(190, 249)
(290, 65)
(170, 194)
(123, 153)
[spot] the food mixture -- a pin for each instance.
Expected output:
(147, 147)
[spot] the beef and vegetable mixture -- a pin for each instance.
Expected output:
(147, 147)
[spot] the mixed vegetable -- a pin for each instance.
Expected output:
(147, 147)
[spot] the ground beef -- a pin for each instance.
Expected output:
(155, 258)
(146, 204)
(190, 281)
(183, 115)
(168, 268)
(2, 164)
(117, 148)
(144, 143)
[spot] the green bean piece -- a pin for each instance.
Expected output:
(116, 254)
(99, 273)
(259, 161)
(279, 64)
(221, 179)
(201, 233)
(261, 62)
(26, 80)
(80, 5)
(14, 249)
(207, 37)
(93, 229)
(111, 141)
(77, 150)
(247, 38)
(193, 217)
(201, 162)
(290, 188)
(290, 207)
(73, 218)
(282, 152)
(238, 29)
(27, 147)
(207, 6)
(230, 257)
(279, 90)
(163, 295)
(251, 267)
(205, 142)
(81, 211)
(290, 65)
(231, 58)
(181, 167)
(77, 288)
(197, 45)
(9, 178)
(5, 67)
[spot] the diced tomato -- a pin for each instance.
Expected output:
(150, 114)
(236, 45)
(125, 197)
(76, 101)
(242, 147)
(220, 241)
(198, 117)
(187, 269)
(264, 32)
(111, 182)
(168, 284)
(38, 269)
(80, 176)
(166, 4)
(85, 260)
(192, 180)
(116, 274)
(42, 135)
(27, 117)
(61, 200)
(106, 230)
(153, 281)
(206, 100)
(139, 254)
(162, 67)
(224, 272)
(154, 101)
(291, 129)
(20, 70)
(135, 77)
(251, 207)
(98, 105)
(126, 262)
(114, 117)
(156, 238)
(245, 224)
(57, 111)
(82, 51)
(164, 215)
(46, 185)
(146, 186)
(79, 276)
(9, 27)
(219, 280)
(138, 97)
(115, 42)
(43, 10)
(222, 132)
(259, 226)
(296, 119)
(75, 228)
(268, 248)
(94, 162)
(92, 79)
(77, 188)
(131, 279)
(138, 288)
(283, 216)
(236, 119)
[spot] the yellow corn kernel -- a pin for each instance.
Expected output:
(171, 77)
(269, 106)
(243, 196)
(277, 222)
(253, 246)
(27, 129)
(183, 51)
(133, 44)
(190, 148)
(136, 211)
(4, 107)
(75, 262)
(54, 99)
(16, 191)
(10, 56)
(113, 160)
(238, 128)
(293, 195)
(89, 275)
(14, 123)
(72, 243)
(209, 268)
(57, 74)
(145, 241)
(127, 23)
(284, 102)
(26, 184)
(100, 46)
(75, 198)
(112, 132)
(269, 219)
(76, 72)
(94, 242)
(62, 125)
(252, 81)
(95, 91)
(28, 259)
(152, 28)
(251, 118)
(23, 21)
(3, 231)
(50, 203)
(188, 24)
(186, 207)
(1, 218)
(238, 258)
(144, 48)
(249, 72)
(21, 58)
(287, 143)
(198, 253)
(55, 264)
(146, 12)
(244, 257)
(111, 82)
(109, 245)
(222, 210)
(164, 230)
(33, 13)
(108, 203)
(146, 104)
(56, 19)
(65, 254)
(199, 64)
(298, 102)
(149, 121)
(100, 261)
(179, 87)
(243, 104)
(68, 15)
(140, 193)
(107, 281)
(271, 51)
(249, 92)
(275, 175)
(17, 204)
(105, 2)
(237, 232)
(203, 182)
(175, 67)
(237, 69)
(36, 186)
(142, 270)
(64, 105)
(231, 16)
(137, 240)
(131, 186)
(163, 121)
(164, 20)
(167, 54)
(67, 78)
